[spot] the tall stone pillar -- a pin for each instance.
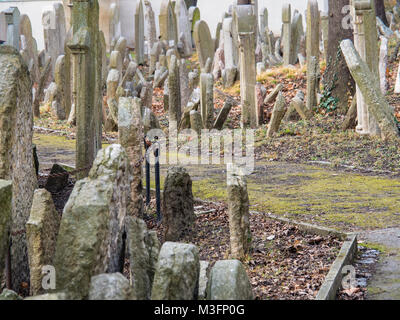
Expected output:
(366, 43)
(246, 28)
(312, 48)
(286, 41)
(85, 47)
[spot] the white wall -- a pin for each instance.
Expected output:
(211, 11)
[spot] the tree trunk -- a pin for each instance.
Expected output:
(337, 78)
(381, 11)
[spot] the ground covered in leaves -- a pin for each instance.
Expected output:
(285, 263)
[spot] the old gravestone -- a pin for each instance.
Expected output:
(178, 210)
(204, 43)
(366, 43)
(194, 16)
(312, 46)
(174, 86)
(245, 19)
(183, 26)
(5, 220)
(143, 248)
(55, 33)
(207, 99)
(177, 272)
(238, 212)
(29, 47)
(229, 281)
(16, 156)
(230, 53)
(286, 34)
(167, 23)
(90, 239)
(139, 33)
(41, 233)
(130, 131)
(86, 49)
(150, 26)
(12, 17)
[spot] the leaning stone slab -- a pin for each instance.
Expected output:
(229, 281)
(112, 286)
(90, 239)
(371, 92)
(223, 115)
(5, 219)
(277, 115)
(143, 248)
(177, 274)
(41, 233)
(204, 44)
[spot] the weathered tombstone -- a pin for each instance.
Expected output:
(5, 220)
(41, 233)
(143, 248)
(286, 33)
(366, 43)
(383, 63)
(139, 33)
(150, 26)
(325, 31)
(246, 28)
(369, 87)
(204, 43)
(277, 115)
(223, 115)
(12, 17)
(178, 212)
(54, 30)
(62, 97)
(194, 16)
(29, 48)
(196, 122)
(112, 286)
(229, 281)
(312, 48)
(167, 23)
(184, 83)
(229, 74)
(174, 87)
(238, 212)
(203, 279)
(16, 156)
(183, 26)
(3, 27)
(90, 240)
(207, 99)
(130, 131)
(85, 47)
(177, 273)
(114, 26)
(296, 33)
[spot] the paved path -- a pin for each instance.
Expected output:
(385, 282)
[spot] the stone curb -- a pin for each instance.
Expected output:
(333, 279)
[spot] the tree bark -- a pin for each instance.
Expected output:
(381, 11)
(337, 73)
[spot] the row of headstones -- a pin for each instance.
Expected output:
(94, 250)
